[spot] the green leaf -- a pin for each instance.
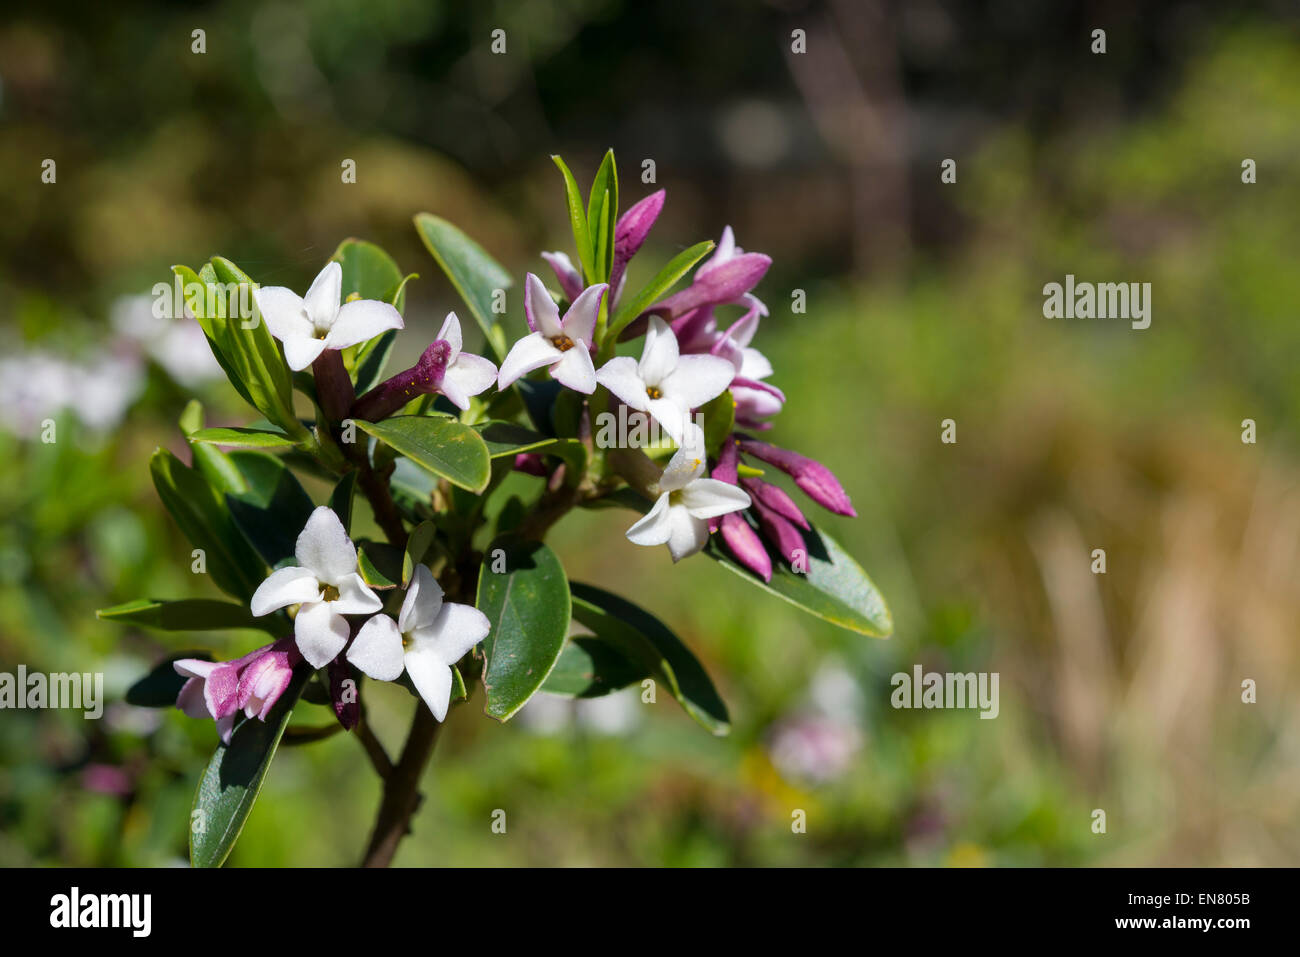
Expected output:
(274, 510)
(644, 639)
(578, 221)
(233, 778)
(201, 515)
(590, 668)
(379, 564)
(528, 607)
(633, 306)
(602, 214)
(341, 499)
(254, 354)
(443, 446)
(835, 588)
(368, 271)
(507, 438)
(189, 614)
(474, 273)
(417, 545)
(371, 360)
(719, 421)
(243, 438)
(160, 687)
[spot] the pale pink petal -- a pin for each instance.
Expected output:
(654, 527)
(540, 310)
(422, 603)
(576, 370)
(322, 299)
(284, 312)
(659, 357)
(580, 321)
(620, 376)
(361, 320)
(432, 679)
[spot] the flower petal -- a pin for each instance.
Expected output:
(286, 586)
(531, 352)
(468, 375)
(360, 320)
(540, 310)
(576, 370)
(709, 498)
(355, 597)
(569, 278)
(320, 633)
(620, 376)
(284, 312)
(324, 547)
(580, 321)
(377, 649)
(687, 534)
(659, 357)
(191, 700)
(697, 379)
(422, 603)
(450, 333)
(456, 630)
(685, 467)
(432, 678)
(654, 527)
(301, 351)
(322, 299)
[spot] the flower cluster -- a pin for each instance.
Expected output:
(459, 592)
(329, 595)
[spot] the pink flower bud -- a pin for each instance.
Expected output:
(815, 479)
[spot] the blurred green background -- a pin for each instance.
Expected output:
(1119, 691)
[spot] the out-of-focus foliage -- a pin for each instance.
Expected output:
(1120, 692)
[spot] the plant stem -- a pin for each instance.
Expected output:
(401, 790)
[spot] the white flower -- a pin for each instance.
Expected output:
(563, 345)
(686, 501)
(666, 384)
(324, 584)
(466, 374)
(429, 636)
(311, 324)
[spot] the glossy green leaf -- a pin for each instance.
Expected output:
(443, 446)
(379, 564)
(160, 687)
(577, 220)
(633, 306)
(341, 499)
(602, 215)
(417, 547)
(254, 353)
(528, 607)
(274, 510)
(188, 614)
(371, 361)
(474, 273)
(202, 516)
(368, 271)
(719, 421)
(644, 639)
(243, 438)
(234, 777)
(507, 438)
(835, 588)
(590, 668)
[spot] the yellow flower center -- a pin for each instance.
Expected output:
(654, 392)
(562, 342)
(329, 593)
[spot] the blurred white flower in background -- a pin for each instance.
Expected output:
(613, 714)
(818, 742)
(177, 345)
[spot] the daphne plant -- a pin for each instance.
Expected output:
(458, 591)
